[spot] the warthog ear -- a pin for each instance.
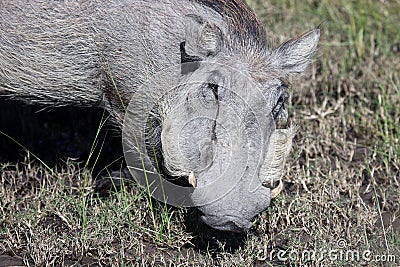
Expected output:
(203, 39)
(294, 55)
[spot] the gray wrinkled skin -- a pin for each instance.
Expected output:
(222, 126)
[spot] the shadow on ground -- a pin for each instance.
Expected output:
(207, 239)
(55, 134)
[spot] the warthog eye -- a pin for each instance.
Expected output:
(280, 105)
(209, 92)
(214, 88)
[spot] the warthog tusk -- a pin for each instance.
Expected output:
(276, 191)
(192, 179)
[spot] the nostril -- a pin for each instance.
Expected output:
(239, 228)
(227, 223)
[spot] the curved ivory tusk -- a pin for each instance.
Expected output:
(192, 179)
(276, 191)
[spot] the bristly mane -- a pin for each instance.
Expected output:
(243, 22)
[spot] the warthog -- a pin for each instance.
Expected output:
(194, 80)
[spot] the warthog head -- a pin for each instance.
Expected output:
(224, 125)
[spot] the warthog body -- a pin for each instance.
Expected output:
(214, 118)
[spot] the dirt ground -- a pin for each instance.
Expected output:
(341, 200)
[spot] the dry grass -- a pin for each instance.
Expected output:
(342, 182)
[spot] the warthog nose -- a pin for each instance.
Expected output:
(227, 223)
